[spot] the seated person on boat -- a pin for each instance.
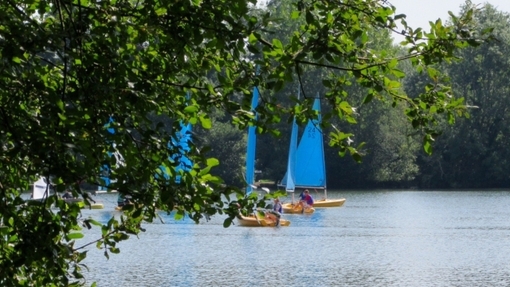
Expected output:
(67, 195)
(123, 200)
(306, 200)
(276, 213)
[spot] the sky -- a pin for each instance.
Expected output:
(420, 12)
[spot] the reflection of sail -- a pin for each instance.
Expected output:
(252, 141)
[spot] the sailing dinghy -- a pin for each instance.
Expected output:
(309, 169)
(290, 178)
(257, 219)
(41, 191)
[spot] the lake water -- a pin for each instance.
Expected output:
(378, 238)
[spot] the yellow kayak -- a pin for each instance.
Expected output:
(329, 202)
(260, 221)
(295, 208)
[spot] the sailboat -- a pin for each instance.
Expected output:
(181, 139)
(309, 170)
(105, 170)
(257, 218)
(41, 191)
(290, 179)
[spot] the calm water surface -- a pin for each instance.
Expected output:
(378, 238)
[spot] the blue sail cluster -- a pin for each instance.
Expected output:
(306, 167)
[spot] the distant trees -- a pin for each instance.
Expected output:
(474, 152)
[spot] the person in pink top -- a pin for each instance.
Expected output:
(306, 200)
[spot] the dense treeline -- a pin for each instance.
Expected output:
(474, 152)
(470, 154)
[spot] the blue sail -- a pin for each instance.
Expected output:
(310, 168)
(289, 180)
(252, 141)
(106, 169)
(181, 140)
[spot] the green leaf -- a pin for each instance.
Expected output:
(227, 222)
(368, 98)
(4, 230)
(161, 11)
(60, 104)
(213, 162)
(252, 39)
(179, 215)
(94, 222)
(398, 73)
(357, 157)
(205, 121)
(277, 44)
(427, 145)
(72, 236)
(309, 18)
(191, 109)
(432, 72)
